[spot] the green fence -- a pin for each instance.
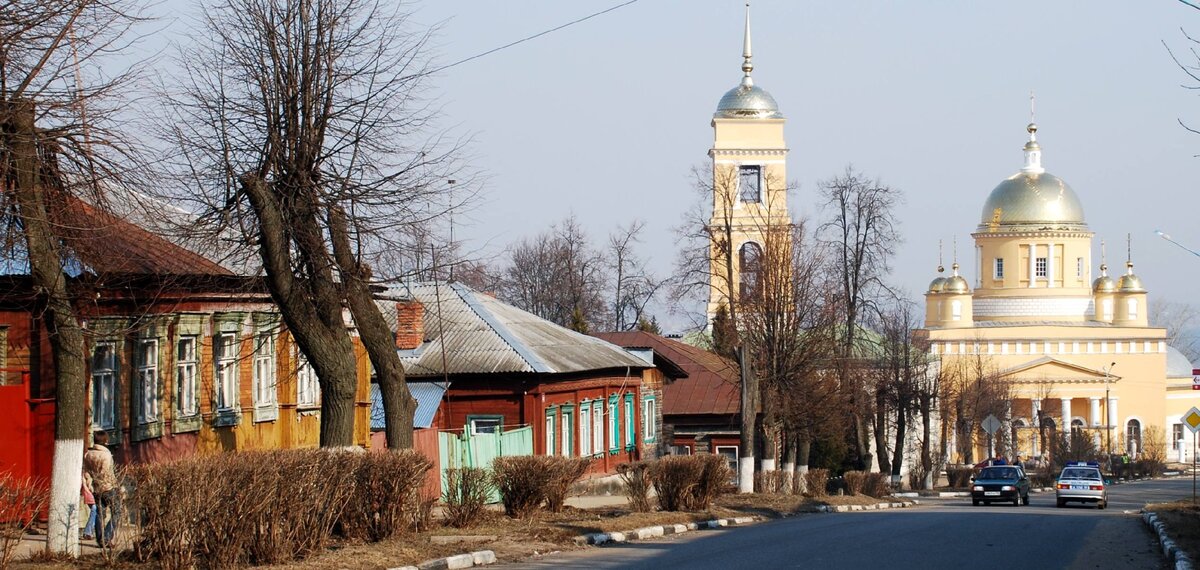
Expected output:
(478, 450)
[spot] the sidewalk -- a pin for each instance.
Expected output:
(32, 544)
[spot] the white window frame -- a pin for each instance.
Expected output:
(598, 407)
(614, 424)
(148, 381)
(649, 419)
(1131, 305)
(1039, 267)
(225, 372)
(1176, 436)
(955, 310)
(104, 386)
(266, 383)
(1079, 267)
(551, 421)
(495, 422)
(308, 387)
(566, 417)
(187, 369)
(998, 268)
(585, 429)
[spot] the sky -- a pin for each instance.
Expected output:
(605, 119)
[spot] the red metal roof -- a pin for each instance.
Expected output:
(712, 385)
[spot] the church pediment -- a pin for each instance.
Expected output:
(1048, 369)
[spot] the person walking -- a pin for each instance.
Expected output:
(89, 499)
(98, 464)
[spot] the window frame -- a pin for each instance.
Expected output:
(149, 380)
(551, 423)
(1040, 267)
(225, 373)
(306, 376)
(630, 431)
(1175, 439)
(187, 373)
(566, 430)
(585, 428)
(998, 268)
(105, 409)
(474, 419)
(649, 419)
(614, 425)
(750, 171)
(598, 426)
(264, 378)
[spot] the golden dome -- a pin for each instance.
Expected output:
(955, 283)
(1033, 201)
(939, 283)
(1104, 283)
(1129, 282)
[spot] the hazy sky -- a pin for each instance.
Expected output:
(605, 119)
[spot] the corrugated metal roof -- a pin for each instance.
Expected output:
(712, 386)
(427, 394)
(480, 334)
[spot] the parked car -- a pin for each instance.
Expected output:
(1000, 483)
(1082, 482)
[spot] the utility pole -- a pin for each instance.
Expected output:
(1107, 422)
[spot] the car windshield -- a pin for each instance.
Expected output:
(1091, 474)
(998, 473)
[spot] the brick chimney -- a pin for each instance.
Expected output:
(410, 324)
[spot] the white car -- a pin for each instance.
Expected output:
(1081, 482)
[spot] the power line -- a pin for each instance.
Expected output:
(535, 36)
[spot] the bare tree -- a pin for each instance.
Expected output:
(862, 231)
(971, 391)
(632, 284)
(1182, 321)
(58, 150)
(558, 276)
(299, 131)
(901, 383)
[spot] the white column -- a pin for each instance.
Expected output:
(1032, 265)
(1066, 416)
(1095, 400)
(1049, 265)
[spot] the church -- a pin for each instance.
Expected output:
(1075, 352)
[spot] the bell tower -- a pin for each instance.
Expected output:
(749, 186)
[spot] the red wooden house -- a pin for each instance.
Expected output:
(491, 366)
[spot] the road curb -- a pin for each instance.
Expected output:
(602, 538)
(873, 507)
(456, 562)
(1177, 557)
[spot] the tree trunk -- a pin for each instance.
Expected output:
(926, 443)
(311, 308)
(789, 463)
(803, 449)
(65, 334)
(398, 404)
(770, 452)
(898, 450)
(749, 412)
(881, 429)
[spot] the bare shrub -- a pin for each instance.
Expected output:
(466, 495)
(386, 493)
(21, 499)
(564, 472)
(877, 485)
(769, 482)
(422, 517)
(522, 482)
(165, 507)
(856, 482)
(816, 481)
(958, 477)
(689, 482)
(636, 476)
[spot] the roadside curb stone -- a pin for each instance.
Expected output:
(872, 507)
(1178, 558)
(456, 562)
(601, 538)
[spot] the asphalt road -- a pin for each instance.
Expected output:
(940, 533)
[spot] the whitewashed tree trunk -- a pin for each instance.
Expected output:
(62, 530)
(746, 474)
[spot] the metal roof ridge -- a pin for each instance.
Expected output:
(526, 353)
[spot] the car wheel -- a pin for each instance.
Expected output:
(1025, 500)
(1102, 505)
(1017, 500)
(1061, 503)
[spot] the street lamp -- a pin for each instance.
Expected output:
(1107, 422)
(1181, 246)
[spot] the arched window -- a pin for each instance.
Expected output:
(749, 269)
(1133, 437)
(1077, 425)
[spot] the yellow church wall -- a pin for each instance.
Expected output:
(1068, 248)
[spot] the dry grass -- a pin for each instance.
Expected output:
(514, 540)
(1182, 519)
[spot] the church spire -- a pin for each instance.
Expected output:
(1033, 151)
(747, 65)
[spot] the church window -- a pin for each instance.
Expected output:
(749, 269)
(1040, 267)
(955, 310)
(1133, 437)
(1132, 304)
(750, 183)
(999, 271)
(1108, 308)
(1079, 267)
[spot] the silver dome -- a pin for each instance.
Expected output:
(1178, 365)
(1033, 201)
(748, 102)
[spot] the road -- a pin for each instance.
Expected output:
(940, 533)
